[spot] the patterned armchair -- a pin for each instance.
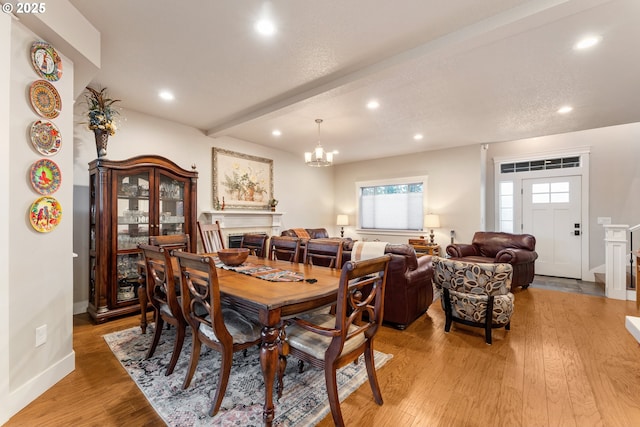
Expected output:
(475, 294)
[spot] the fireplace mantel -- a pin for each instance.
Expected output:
(246, 221)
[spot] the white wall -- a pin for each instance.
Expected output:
(453, 190)
(40, 264)
(5, 78)
(305, 194)
(614, 176)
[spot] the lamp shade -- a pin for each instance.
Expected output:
(342, 220)
(431, 221)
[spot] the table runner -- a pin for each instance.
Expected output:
(263, 272)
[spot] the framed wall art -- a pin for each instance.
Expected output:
(241, 181)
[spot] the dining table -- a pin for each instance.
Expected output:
(270, 303)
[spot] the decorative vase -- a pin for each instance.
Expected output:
(102, 137)
(273, 208)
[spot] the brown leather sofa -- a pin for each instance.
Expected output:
(314, 233)
(519, 250)
(409, 291)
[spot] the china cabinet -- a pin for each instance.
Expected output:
(131, 200)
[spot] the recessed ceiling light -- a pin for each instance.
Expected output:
(418, 136)
(373, 104)
(587, 42)
(265, 27)
(276, 132)
(566, 109)
(166, 95)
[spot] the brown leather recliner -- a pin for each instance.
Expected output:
(409, 290)
(519, 250)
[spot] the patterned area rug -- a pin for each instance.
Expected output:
(303, 403)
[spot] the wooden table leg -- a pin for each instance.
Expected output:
(269, 363)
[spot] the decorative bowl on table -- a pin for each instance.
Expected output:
(233, 256)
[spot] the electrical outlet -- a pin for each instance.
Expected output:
(41, 335)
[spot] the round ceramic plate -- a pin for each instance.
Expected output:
(46, 61)
(45, 99)
(45, 137)
(45, 176)
(45, 214)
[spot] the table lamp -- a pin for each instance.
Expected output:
(431, 221)
(342, 220)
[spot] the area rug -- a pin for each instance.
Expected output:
(303, 403)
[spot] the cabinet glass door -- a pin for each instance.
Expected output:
(133, 227)
(171, 209)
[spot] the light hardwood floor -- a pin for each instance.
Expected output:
(568, 360)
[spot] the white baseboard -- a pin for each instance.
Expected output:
(80, 307)
(33, 388)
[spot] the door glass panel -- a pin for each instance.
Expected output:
(133, 210)
(128, 277)
(171, 206)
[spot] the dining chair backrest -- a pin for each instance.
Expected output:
(324, 252)
(284, 248)
(201, 294)
(330, 341)
(256, 243)
(208, 317)
(172, 241)
(163, 295)
(211, 236)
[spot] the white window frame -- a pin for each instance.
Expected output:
(390, 181)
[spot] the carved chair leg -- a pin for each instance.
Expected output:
(177, 348)
(193, 361)
(226, 359)
(159, 321)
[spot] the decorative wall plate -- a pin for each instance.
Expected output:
(45, 214)
(45, 99)
(45, 137)
(46, 61)
(45, 176)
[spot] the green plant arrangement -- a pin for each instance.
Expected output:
(273, 203)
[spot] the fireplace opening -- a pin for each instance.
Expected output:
(235, 240)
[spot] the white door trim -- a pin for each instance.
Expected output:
(517, 177)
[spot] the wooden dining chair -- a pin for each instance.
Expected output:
(324, 252)
(256, 243)
(211, 236)
(163, 296)
(284, 248)
(329, 341)
(172, 241)
(215, 325)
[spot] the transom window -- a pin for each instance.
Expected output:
(539, 165)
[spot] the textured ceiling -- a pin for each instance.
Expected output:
(467, 72)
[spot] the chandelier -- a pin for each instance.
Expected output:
(318, 157)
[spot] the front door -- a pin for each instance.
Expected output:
(551, 211)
